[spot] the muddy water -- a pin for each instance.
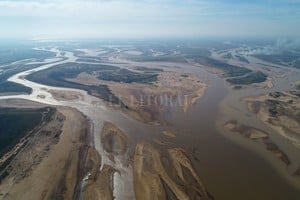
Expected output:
(228, 169)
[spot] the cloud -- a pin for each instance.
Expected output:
(149, 17)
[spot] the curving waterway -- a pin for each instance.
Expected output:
(230, 168)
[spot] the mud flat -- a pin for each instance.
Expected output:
(100, 179)
(280, 111)
(150, 165)
(99, 184)
(258, 135)
(164, 169)
(171, 89)
(147, 101)
(113, 139)
(153, 179)
(65, 95)
(48, 167)
(169, 133)
(20, 103)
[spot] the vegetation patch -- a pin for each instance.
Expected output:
(127, 76)
(255, 77)
(57, 76)
(16, 123)
(243, 59)
(11, 87)
(229, 70)
(12, 53)
(286, 58)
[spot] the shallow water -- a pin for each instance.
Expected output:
(230, 170)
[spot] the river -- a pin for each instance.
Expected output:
(230, 167)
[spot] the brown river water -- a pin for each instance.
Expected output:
(230, 167)
(229, 170)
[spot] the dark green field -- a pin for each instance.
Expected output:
(285, 58)
(16, 123)
(7, 87)
(11, 52)
(126, 76)
(229, 70)
(255, 77)
(57, 76)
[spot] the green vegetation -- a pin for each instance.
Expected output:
(127, 76)
(274, 107)
(193, 52)
(184, 75)
(163, 58)
(17, 53)
(286, 58)
(228, 56)
(146, 69)
(7, 87)
(16, 123)
(57, 76)
(229, 70)
(12, 53)
(243, 59)
(255, 77)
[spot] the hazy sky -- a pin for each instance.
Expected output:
(148, 18)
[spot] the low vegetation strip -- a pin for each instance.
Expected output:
(255, 77)
(229, 70)
(57, 76)
(10, 87)
(16, 123)
(127, 76)
(12, 53)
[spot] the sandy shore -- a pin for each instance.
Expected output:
(258, 135)
(56, 173)
(155, 179)
(147, 101)
(280, 111)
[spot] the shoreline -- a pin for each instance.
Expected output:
(56, 164)
(277, 166)
(98, 151)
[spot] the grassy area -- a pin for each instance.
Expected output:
(7, 87)
(11, 53)
(255, 77)
(127, 76)
(16, 123)
(57, 76)
(192, 52)
(162, 58)
(229, 70)
(14, 69)
(285, 58)
(228, 56)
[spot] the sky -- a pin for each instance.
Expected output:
(149, 18)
